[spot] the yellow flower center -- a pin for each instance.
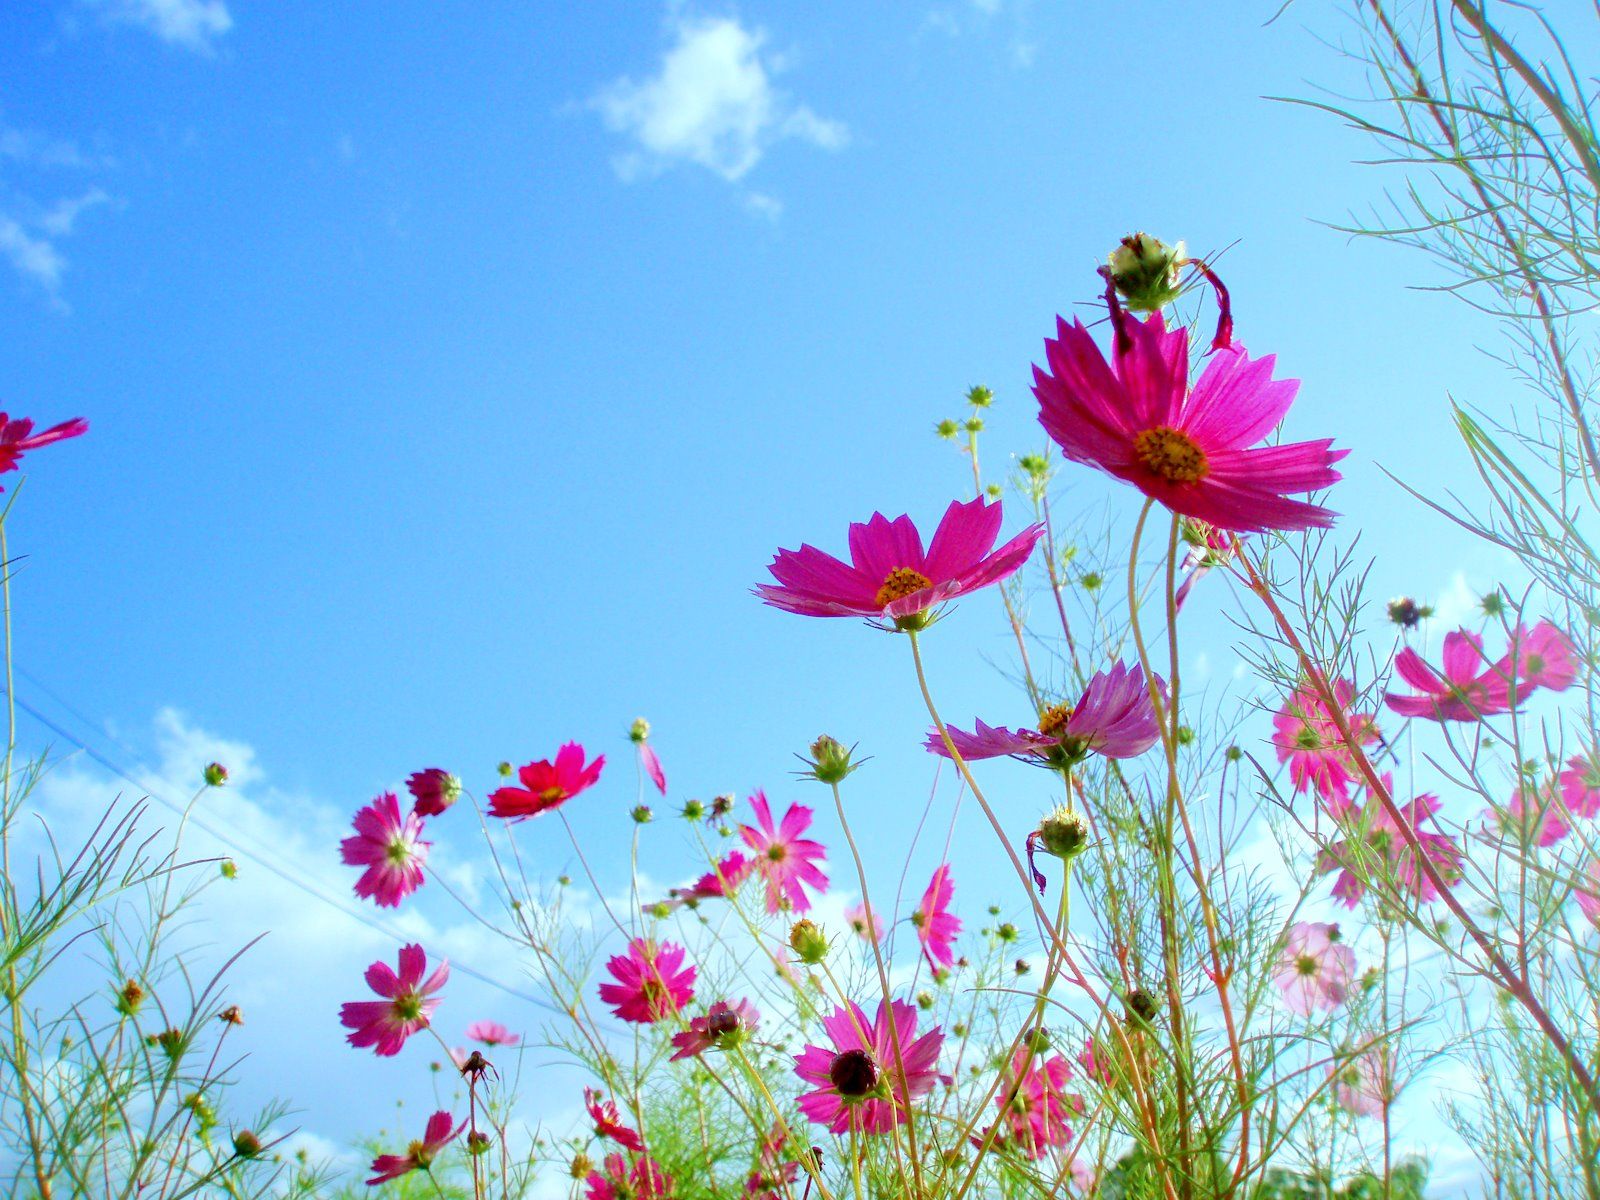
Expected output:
(553, 793)
(902, 581)
(1054, 719)
(1172, 454)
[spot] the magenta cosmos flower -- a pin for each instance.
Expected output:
(608, 1121)
(724, 1025)
(432, 791)
(772, 1176)
(1113, 717)
(1534, 816)
(644, 1180)
(718, 883)
(441, 1131)
(936, 926)
(858, 1085)
(1375, 847)
(1315, 968)
(1361, 1084)
(17, 437)
(492, 1033)
(786, 862)
(651, 982)
(1306, 738)
(1543, 656)
(1580, 786)
(1034, 1105)
(1470, 687)
(546, 785)
(1138, 420)
(407, 1005)
(889, 577)
(864, 923)
(390, 847)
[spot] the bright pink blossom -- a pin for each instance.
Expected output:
(858, 1084)
(1471, 686)
(890, 577)
(1376, 846)
(608, 1121)
(1580, 786)
(644, 1180)
(1544, 657)
(772, 1175)
(786, 862)
(17, 437)
(419, 1156)
(1035, 1105)
(1308, 739)
(1315, 968)
(651, 982)
(546, 785)
(1534, 816)
(1362, 1084)
(936, 926)
(433, 790)
(866, 925)
(724, 1024)
(1113, 717)
(492, 1033)
(390, 847)
(717, 883)
(1138, 420)
(407, 1005)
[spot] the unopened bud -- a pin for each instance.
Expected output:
(829, 761)
(980, 397)
(642, 815)
(231, 1015)
(130, 998)
(947, 428)
(693, 810)
(639, 730)
(215, 774)
(1064, 833)
(581, 1165)
(808, 942)
(1407, 613)
(246, 1144)
(478, 1143)
(1145, 271)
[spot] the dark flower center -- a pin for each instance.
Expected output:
(1171, 454)
(1308, 739)
(723, 1021)
(1305, 965)
(853, 1074)
(901, 582)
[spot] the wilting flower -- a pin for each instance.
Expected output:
(1588, 894)
(389, 845)
(1580, 786)
(1138, 420)
(1209, 548)
(865, 924)
(715, 884)
(608, 1121)
(1374, 835)
(858, 1084)
(936, 926)
(1113, 717)
(1361, 1084)
(649, 763)
(1034, 1104)
(407, 1005)
(1470, 687)
(890, 577)
(1533, 816)
(492, 1033)
(441, 1131)
(17, 437)
(785, 861)
(1308, 739)
(645, 1180)
(433, 791)
(651, 981)
(723, 1025)
(1315, 968)
(546, 785)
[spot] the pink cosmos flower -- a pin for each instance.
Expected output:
(770, 1179)
(1373, 834)
(715, 884)
(1034, 1105)
(1470, 687)
(433, 791)
(890, 578)
(1588, 894)
(651, 982)
(857, 1082)
(1544, 657)
(391, 849)
(1308, 740)
(936, 927)
(1113, 717)
(492, 1033)
(419, 1156)
(1138, 420)
(407, 1005)
(1580, 786)
(546, 785)
(608, 1121)
(1315, 969)
(724, 1024)
(1533, 816)
(785, 861)
(1361, 1084)
(645, 1180)
(17, 437)
(1093, 1067)
(866, 925)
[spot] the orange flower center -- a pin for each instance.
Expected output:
(1172, 454)
(1054, 719)
(553, 793)
(902, 582)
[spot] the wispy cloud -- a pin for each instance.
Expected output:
(31, 232)
(711, 103)
(192, 24)
(1004, 18)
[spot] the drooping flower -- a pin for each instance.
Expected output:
(936, 926)
(17, 437)
(1114, 717)
(644, 1180)
(1035, 1105)
(858, 1084)
(1534, 816)
(1543, 656)
(649, 763)
(390, 847)
(1209, 548)
(1361, 1083)
(890, 578)
(1308, 739)
(492, 1033)
(440, 1132)
(786, 862)
(608, 1121)
(1138, 420)
(433, 790)
(651, 982)
(546, 785)
(1375, 846)
(863, 923)
(1588, 894)
(407, 1005)
(1471, 686)
(1315, 968)
(715, 884)
(724, 1025)
(1580, 786)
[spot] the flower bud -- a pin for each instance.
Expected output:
(215, 774)
(1141, 1006)
(1145, 271)
(246, 1144)
(1407, 613)
(829, 761)
(980, 396)
(642, 814)
(1492, 604)
(581, 1165)
(504, 770)
(721, 805)
(231, 1015)
(478, 1143)
(130, 998)
(808, 942)
(639, 730)
(229, 869)
(1064, 833)
(947, 428)
(693, 810)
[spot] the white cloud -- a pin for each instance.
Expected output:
(192, 24)
(30, 233)
(34, 257)
(710, 104)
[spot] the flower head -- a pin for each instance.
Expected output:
(858, 1084)
(644, 1180)
(1034, 1104)
(1470, 687)
(433, 790)
(890, 577)
(1580, 786)
(492, 1033)
(1362, 1084)
(441, 1131)
(936, 926)
(724, 1025)
(407, 1005)
(786, 862)
(1534, 816)
(651, 982)
(1315, 969)
(1544, 657)
(17, 437)
(546, 785)
(864, 923)
(1375, 846)
(1308, 739)
(724, 877)
(1137, 419)
(608, 1121)
(390, 847)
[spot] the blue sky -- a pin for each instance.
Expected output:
(453, 375)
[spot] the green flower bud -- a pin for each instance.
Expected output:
(642, 815)
(639, 730)
(246, 1144)
(808, 942)
(693, 810)
(829, 761)
(1145, 271)
(1064, 833)
(947, 428)
(980, 397)
(215, 774)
